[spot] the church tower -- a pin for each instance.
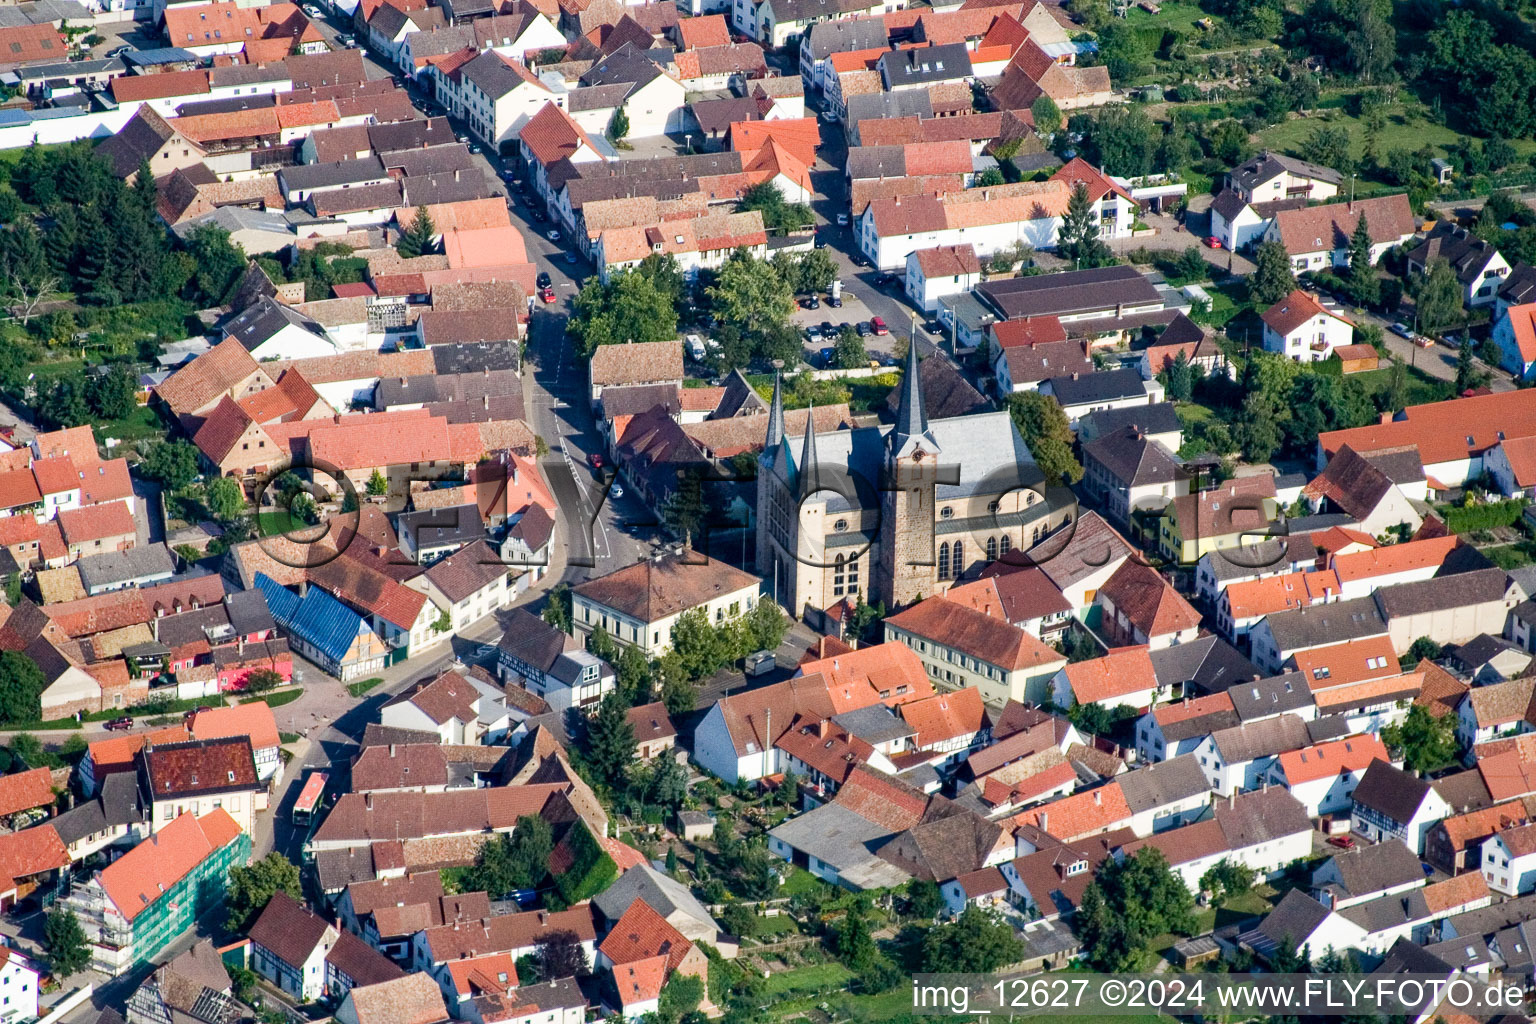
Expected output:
(909, 475)
(776, 500)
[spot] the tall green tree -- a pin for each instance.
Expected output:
(701, 648)
(218, 262)
(252, 888)
(172, 464)
(1180, 382)
(1078, 240)
(618, 125)
(111, 395)
(64, 941)
(750, 295)
(1129, 903)
(1425, 743)
(1044, 427)
(21, 688)
(609, 743)
(1047, 115)
(225, 499)
(1272, 278)
(1439, 298)
(630, 307)
(977, 942)
(1364, 285)
(416, 240)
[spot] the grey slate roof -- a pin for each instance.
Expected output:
(1266, 166)
(874, 725)
(1442, 593)
(119, 567)
(459, 524)
(1103, 386)
(844, 35)
(1162, 783)
(1391, 791)
(264, 319)
(662, 894)
(531, 640)
(1263, 738)
(1207, 662)
(1157, 418)
(626, 65)
(426, 389)
(1265, 698)
(116, 803)
(1261, 816)
(248, 612)
(1314, 626)
(786, 11)
(332, 175)
(474, 357)
(922, 65)
(1293, 920)
(491, 75)
(1133, 460)
(885, 105)
(1072, 291)
(1374, 869)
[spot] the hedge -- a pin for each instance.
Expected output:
(590, 871)
(1487, 516)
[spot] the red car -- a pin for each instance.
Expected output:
(596, 458)
(1213, 242)
(120, 723)
(547, 294)
(1342, 842)
(878, 325)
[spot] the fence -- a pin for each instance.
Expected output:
(63, 1006)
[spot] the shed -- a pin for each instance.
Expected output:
(1192, 952)
(1358, 358)
(694, 825)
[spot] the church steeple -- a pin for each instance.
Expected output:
(775, 416)
(810, 469)
(911, 420)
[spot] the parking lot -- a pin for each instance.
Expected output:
(856, 313)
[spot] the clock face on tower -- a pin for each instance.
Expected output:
(917, 455)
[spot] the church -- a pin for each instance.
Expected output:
(893, 513)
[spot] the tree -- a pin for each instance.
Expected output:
(739, 919)
(1466, 370)
(560, 955)
(1439, 298)
(817, 270)
(377, 485)
(610, 742)
(618, 125)
(925, 897)
(680, 996)
(1078, 238)
(64, 940)
(1364, 285)
(849, 351)
(1129, 903)
(671, 862)
(1257, 430)
(1488, 351)
(1227, 879)
(853, 941)
(778, 215)
(700, 647)
(1180, 382)
(1272, 278)
(1425, 743)
(684, 510)
(1123, 51)
(750, 295)
(21, 688)
(1328, 145)
(225, 499)
(217, 261)
(417, 240)
(173, 464)
(1043, 425)
(765, 626)
(110, 395)
(978, 942)
(262, 680)
(632, 306)
(678, 692)
(1191, 264)
(667, 785)
(509, 862)
(1047, 114)
(251, 888)
(1422, 649)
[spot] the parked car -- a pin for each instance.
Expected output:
(810, 302)
(546, 295)
(311, 11)
(553, 234)
(596, 458)
(539, 215)
(571, 258)
(1423, 342)
(346, 41)
(864, 329)
(878, 325)
(826, 355)
(1213, 242)
(1342, 842)
(842, 220)
(543, 280)
(835, 301)
(1401, 329)
(119, 51)
(885, 280)
(126, 722)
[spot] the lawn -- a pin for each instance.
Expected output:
(278, 522)
(275, 700)
(1406, 128)
(138, 425)
(773, 927)
(359, 688)
(1511, 556)
(808, 979)
(800, 882)
(1174, 17)
(1422, 387)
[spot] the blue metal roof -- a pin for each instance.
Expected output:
(317, 618)
(160, 55)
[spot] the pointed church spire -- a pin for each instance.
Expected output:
(911, 420)
(809, 470)
(775, 416)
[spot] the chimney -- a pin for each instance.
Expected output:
(391, 750)
(821, 729)
(1042, 821)
(368, 801)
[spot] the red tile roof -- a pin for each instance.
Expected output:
(1447, 431)
(31, 852)
(1328, 760)
(142, 875)
(946, 716)
(641, 933)
(975, 633)
(25, 790)
(1149, 601)
(1293, 311)
(1121, 672)
(96, 522)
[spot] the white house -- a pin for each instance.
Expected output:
(1389, 803)
(1509, 861)
(1270, 176)
(1303, 329)
(638, 605)
(1317, 237)
(1082, 393)
(1236, 223)
(1240, 757)
(1514, 331)
(1171, 730)
(1265, 831)
(655, 102)
(19, 976)
(773, 23)
(1121, 678)
(495, 95)
(1324, 776)
(1488, 712)
(457, 708)
(1478, 266)
(940, 271)
(268, 329)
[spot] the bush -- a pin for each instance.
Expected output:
(1487, 516)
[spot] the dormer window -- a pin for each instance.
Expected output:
(1077, 867)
